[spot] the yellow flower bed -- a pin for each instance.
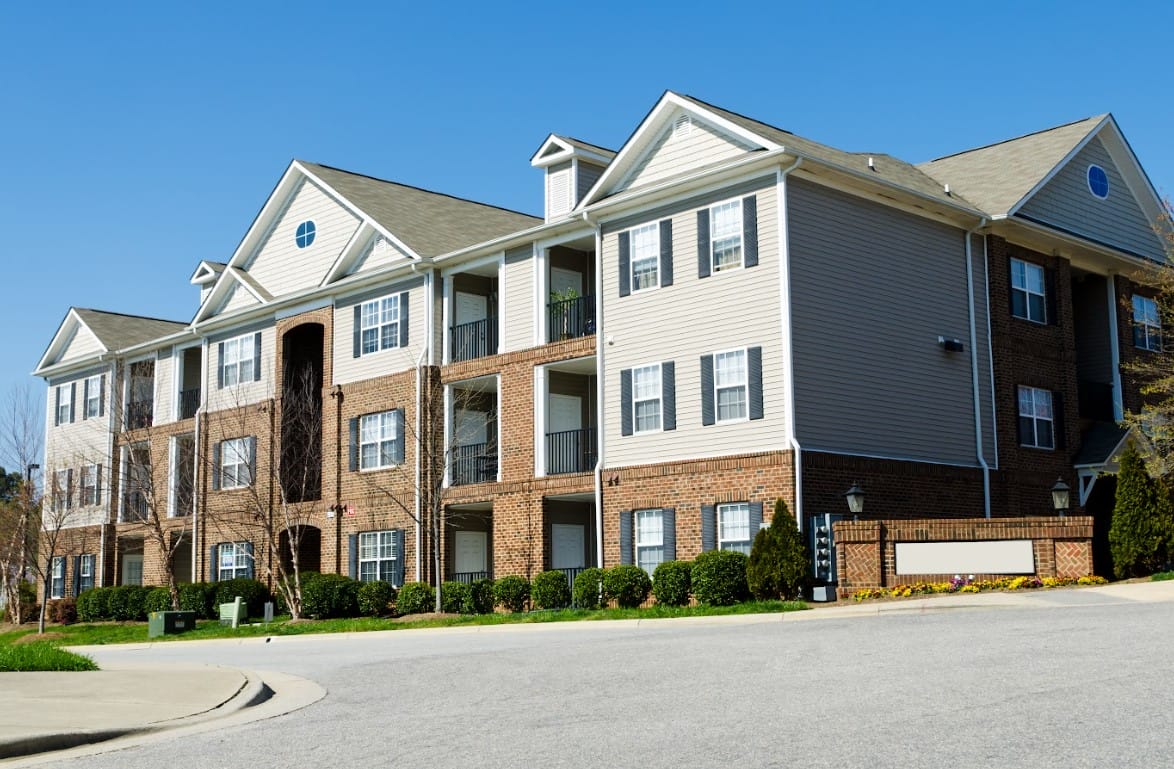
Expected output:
(958, 585)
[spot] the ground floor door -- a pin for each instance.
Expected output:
(132, 569)
(567, 544)
(472, 552)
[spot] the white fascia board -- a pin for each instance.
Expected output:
(540, 159)
(1135, 175)
(1131, 261)
(1057, 168)
(228, 279)
(363, 235)
(70, 324)
(278, 199)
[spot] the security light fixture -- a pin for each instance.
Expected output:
(855, 497)
(1060, 496)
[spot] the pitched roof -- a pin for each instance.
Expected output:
(429, 223)
(888, 168)
(117, 331)
(998, 176)
(587, 146)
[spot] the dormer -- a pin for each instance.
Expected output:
(205, 277)
(572, 168)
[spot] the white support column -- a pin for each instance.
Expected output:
(540, 404)
(541, 293)
(446, 317)
(497, 448)
(1114, 349)
(501, 302)
(448, 422)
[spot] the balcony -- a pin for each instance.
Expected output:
(473, 463)
(570, 451)
(135, 507)
(475, 339)
(140, 414)
(467, 577)
(189, 403)
(570, 318)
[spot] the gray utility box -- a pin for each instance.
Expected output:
(170, 622)
(234, 613)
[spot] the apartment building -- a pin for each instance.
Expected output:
(717, 315)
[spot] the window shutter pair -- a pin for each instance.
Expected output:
(77, 576)
(665, 268)
(352, 542)
(256, 362)
(749, 237)
(668, 398)
(754, 403)
(357, 329)
(214, 563)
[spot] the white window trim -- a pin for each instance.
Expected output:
(243, 456)
(92, 386)
(396, 430)
(57, 574)
(89, 472)
(61, 500)
(714, 269)
(238, 343)
(64, 403)
(1035, 391)
(745, 385)
(1028, 292)
(726, 507)
(85, 571)
(638, 545)
(659, 398)
(379, 559)
(1152, 331)
(379, 338)
(654, 228)
(240, 556)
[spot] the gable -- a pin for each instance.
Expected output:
(238, 298)
(81, 344)
(280, 264)
(380, 252)
(685, 143)
(1067, 203)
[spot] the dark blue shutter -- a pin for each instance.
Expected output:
(754, 381)
(703, 255)
(668, 395)
(215, 466)
(397, 541)
(626, 401)
(397, 448)
(72, 400)
(755, 519)
(669, 523)
(69, 489)
(357, 336)
(352, 543)
(353, 426)
(666, 252)
(626, 550)
(77, 575)
(251, 560)
(57, 405)
(85, 397)
(707, 397)
(214, 563)
(97, 484)
(251, 443)
(220, 366)
(102, 396)
(403, 319)
(625, 263)
(257, 357)
(1050, 301)
(1061, 440)
(749, 231)
(708, 528)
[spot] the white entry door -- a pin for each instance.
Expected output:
(566, 546)
(471, 551)
(470, 308)
(132, 569)
(563, 280)
(566, 413)
(470, 428)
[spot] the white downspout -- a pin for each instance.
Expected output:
(419, 503)
(978, 441)
(599, 356)
(200, 411)
(786, 340)
(1115, 350)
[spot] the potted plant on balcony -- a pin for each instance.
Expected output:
(560, 300)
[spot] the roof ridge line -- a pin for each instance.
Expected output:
(1016, 138)
(130, 315)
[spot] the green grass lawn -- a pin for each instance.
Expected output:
(136, 632)
(41, 656)
(1162, 576)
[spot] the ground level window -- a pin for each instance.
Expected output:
(733, 524)
(377, 556)
(57, 581)
(85, 578)
(235, 560)
(649, 539)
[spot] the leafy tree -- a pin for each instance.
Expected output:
(778, 565)
(1140, 536)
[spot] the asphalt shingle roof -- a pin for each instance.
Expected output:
(118, 332)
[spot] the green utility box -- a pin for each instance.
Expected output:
(170, 622)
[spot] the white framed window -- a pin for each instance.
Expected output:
(733, 527)
(646, 398)
(378, 434)
(64, 403)
(234, 560)
(1036, 420)
(1028, 292)
(377, 556)
(729, 385)
(379, 324)
(725, 235)
(93, 390)
(85, 578)
(239, 360)
(234, 463)
(57, 583)
(649, 539)
(646, 257)
(62, 493)
(1147, 324)
(90, 485)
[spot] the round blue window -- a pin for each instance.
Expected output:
(1098, 182)
(305, 234)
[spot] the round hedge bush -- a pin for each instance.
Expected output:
(627, 584)
(455, 597)
(550, 590)
(158, 599)
(330, 595)
(252, 592)
(512, 592)
(588, 589)
(198, 597)
(128, 603)
(671, 582)
(375, 598)
(415, 598)
(91, 605)
(719, 578)
(480, 597)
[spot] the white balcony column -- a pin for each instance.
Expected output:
(540, 405)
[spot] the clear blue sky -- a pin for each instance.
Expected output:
(141, 138)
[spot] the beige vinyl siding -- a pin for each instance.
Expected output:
(671, 155)
(694, 317)
(283, 268)
(238, 299)
(164, 382)
(72, 445)
(871, 291)
(82, 344)
(248, 392)
(348, 368)
(380, 252)
(519, 299)
(1067, 203)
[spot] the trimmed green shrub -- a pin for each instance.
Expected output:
(512, 592)
(455, 597)
(480, 597)
(252, 592)
(128, 603)
(158, 599)
(719, 578)
(671, 582)
(88, 604)
(375, 598)
(1162, 576)
(588, 589)
(627, 584)
(778, 566)
(330, 595)
(550, 590)
(198, 597)
(1141, 530)
(415, 598)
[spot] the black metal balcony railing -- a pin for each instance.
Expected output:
(139, 414)
(468, 577)
(570, 451)
(134, 506)
(475, 463)
(571, 573)
(473, 340)
(189, 401)
(570, 318)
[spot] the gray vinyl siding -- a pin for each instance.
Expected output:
(518, 294)
(348, 368)
(588, 175)
(1066, 202)
(671, 156)
(871, 291)
(691, 318)
(982, 334)
(283, 268)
